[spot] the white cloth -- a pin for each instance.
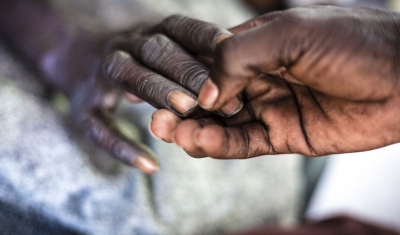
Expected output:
(365, 185)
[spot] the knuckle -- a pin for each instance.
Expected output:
(149, 87)
(170, 22)
(173, 18)
(115, 65)
(194, 77)
(101, 133)
(152, 47)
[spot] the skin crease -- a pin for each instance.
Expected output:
(92, 69)
(315, 80)
(277, 98)
(88, 68)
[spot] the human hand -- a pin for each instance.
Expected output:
(89, 69)
(315, 80)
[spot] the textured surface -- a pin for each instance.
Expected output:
(50, 171)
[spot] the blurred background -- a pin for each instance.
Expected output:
(51, 176)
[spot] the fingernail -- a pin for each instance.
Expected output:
(146, 164)
(208, 95)
(181, 102)
(196, 137)
(232, 107)
(222, 37)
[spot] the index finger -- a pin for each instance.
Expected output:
(196, 35)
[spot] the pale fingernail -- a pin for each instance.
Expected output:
(232, 107)
(208, 95)
(146, 164)
(222, 37)
(181, 102)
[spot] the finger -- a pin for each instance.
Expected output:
(241, 58)
(237, 142)
(169, 127)
(99, 127)
(169, 59)
(260, 20)
(132, 98)
(206, 60)
(184, 138)
(155, 89)
(261, 91)
(163, 124)
(196, 35)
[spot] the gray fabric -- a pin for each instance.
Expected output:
(49, 168)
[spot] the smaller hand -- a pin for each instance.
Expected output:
(90, 69)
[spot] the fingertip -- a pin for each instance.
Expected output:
(146, 164)
(151, 127)
(212, 139)
(208, 95)
(183, 134)
(184, 138)
(163, 124)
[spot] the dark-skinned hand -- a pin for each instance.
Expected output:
(147, 64)
(315, 80)
(90, 66)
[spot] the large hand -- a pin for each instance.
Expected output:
(315, 80)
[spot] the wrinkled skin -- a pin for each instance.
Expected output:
(116, 62)
(90, 68)
(146, 64)
(315, 80)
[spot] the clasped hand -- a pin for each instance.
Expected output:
(91, 69)
(314, 80)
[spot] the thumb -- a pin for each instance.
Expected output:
(239, 58)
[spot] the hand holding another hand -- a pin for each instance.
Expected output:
(90, 69)
(314, 80)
